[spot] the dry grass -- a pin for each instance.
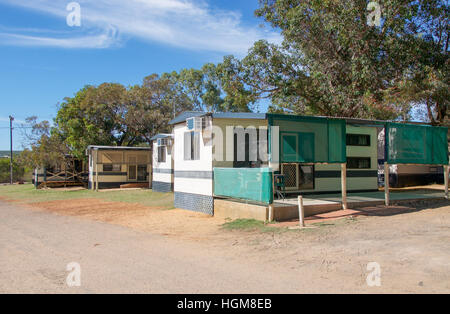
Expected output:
(28, 194)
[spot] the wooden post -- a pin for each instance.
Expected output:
(271, 210)
(446, 174)
(344, 186)
(96, 178)
(386, 184)
(96, 171)
(301, 212)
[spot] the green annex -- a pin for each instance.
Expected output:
(257, 159)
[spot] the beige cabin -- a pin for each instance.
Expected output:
(116, 167)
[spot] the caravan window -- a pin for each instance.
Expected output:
(358, 140)
(161, 153)
(358, 162)
(191, 146)
(112, 168)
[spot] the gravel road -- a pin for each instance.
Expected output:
(413, 250)
(35, 248)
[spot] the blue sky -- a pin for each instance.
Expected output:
(43, 60)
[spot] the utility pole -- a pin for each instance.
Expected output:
(11, 119)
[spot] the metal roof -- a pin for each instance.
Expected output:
(355, 121)
(218, 115)
(90, 147)
(262, 116)
(186, 115)
(156, 137)
(239, 115)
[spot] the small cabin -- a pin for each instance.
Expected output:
(118, 167)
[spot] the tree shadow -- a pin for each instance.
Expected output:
(404, 208)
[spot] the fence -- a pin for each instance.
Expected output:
(251, 184)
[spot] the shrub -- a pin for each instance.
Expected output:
(18, 171)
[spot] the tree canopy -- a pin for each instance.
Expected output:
(334, 61)
(112, 114)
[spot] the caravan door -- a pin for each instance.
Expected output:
(132, 168)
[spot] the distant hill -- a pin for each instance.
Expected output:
(4, 153)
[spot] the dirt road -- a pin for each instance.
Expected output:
(36, 247)
(413, 251)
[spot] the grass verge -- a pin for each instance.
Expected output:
(28, 194)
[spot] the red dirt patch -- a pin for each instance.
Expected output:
(94, 208)
(8, 200)
(175, 222)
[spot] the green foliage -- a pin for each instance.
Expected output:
(333, 63)
(212, 90)
(46, 147)
(18, 171)
(111, 114)
(429, 87)
(75, 126)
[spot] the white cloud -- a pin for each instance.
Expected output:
(103, 40)
(190, 24)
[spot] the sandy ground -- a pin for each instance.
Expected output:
(175, 223)
(36, 247)
(411, 245)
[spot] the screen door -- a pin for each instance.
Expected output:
(132, 168)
